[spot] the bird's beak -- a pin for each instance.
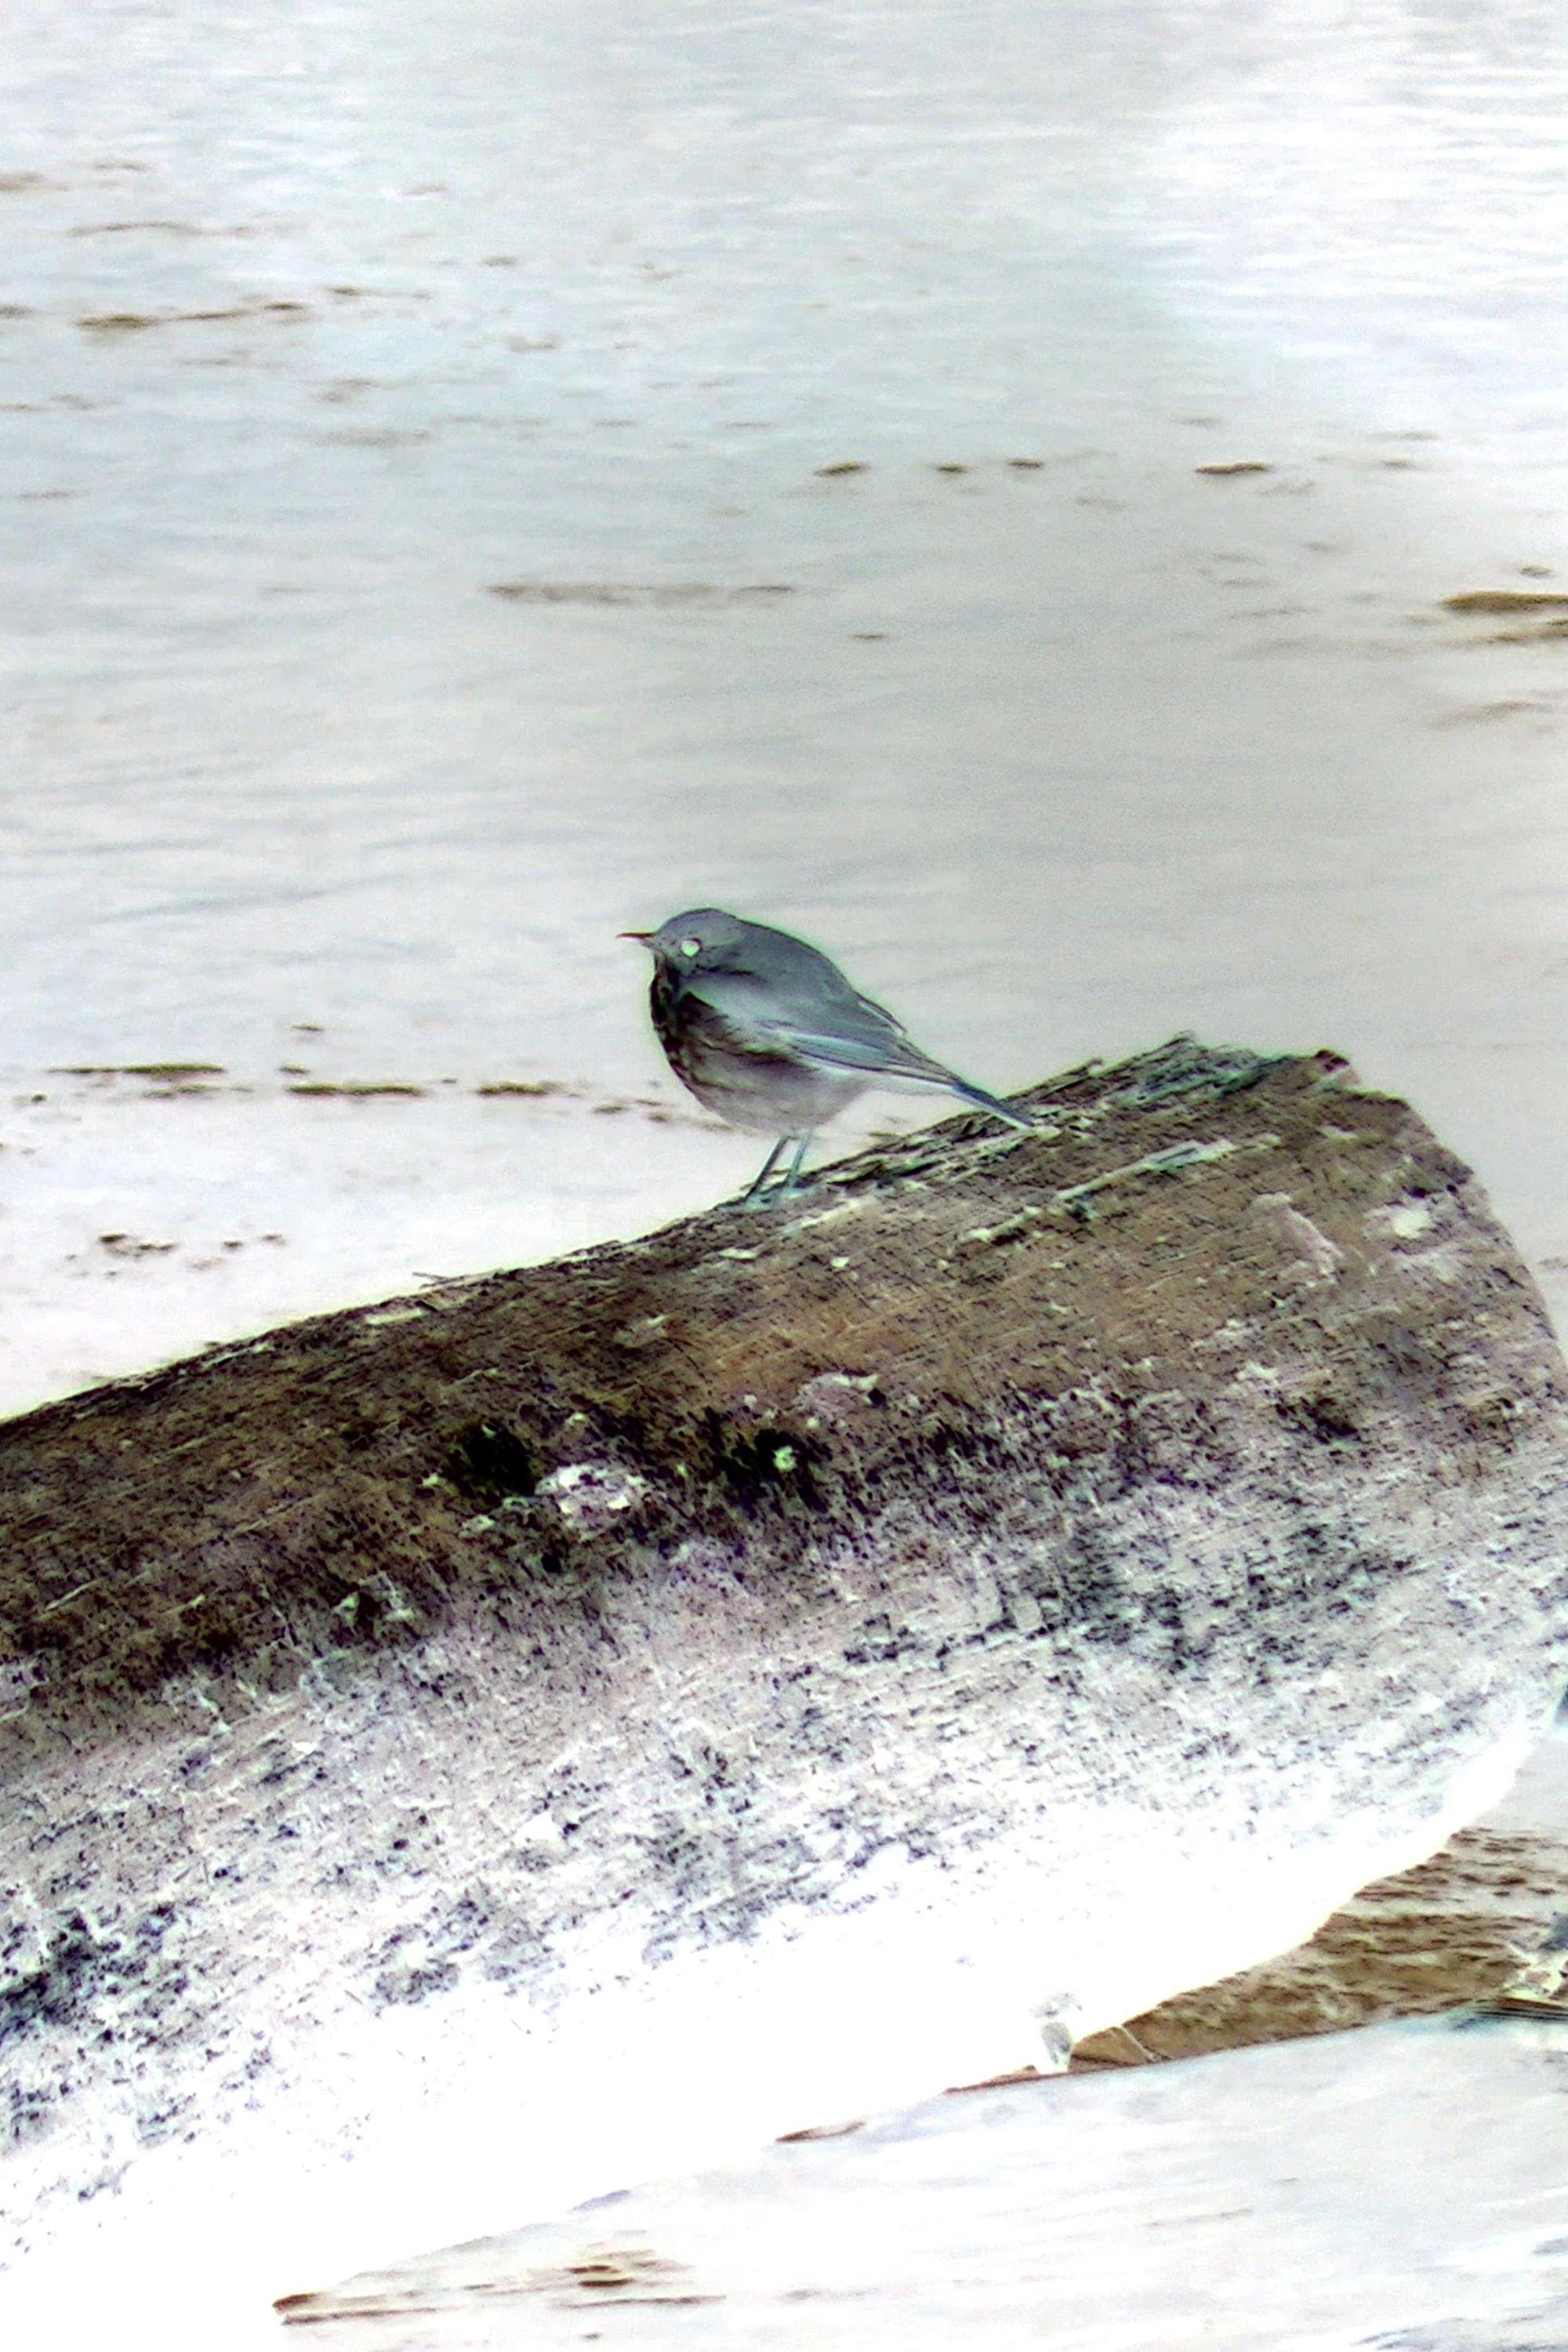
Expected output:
(644, 936)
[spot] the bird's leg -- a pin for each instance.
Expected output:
(753, 1198)
(790, 1185)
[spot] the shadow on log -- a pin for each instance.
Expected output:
(1031, 1573)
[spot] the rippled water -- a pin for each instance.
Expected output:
(321, 329)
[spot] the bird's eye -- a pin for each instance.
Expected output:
(691, 947)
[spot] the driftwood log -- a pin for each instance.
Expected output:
(866, 1641)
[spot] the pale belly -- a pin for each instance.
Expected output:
(775, 1097)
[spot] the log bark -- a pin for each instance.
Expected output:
(1079, 1557)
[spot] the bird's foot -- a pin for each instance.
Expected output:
(763, 1196)
(775, 1196)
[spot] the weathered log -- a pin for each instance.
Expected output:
(819, 1651)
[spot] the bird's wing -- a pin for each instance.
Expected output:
(837, 1029)
(840, 1031)
(888, 1054)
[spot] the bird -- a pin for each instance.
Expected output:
(767, 1032)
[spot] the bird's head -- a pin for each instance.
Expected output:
(702, 937)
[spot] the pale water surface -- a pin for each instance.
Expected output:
(323, 324)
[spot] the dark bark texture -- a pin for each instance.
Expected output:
(976, 1331)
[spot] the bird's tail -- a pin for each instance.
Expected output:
(982, 1101)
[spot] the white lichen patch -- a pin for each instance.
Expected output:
(853, 1207)
(641, 1333)
(993, 1146)
(1010, 1229)
(591, 1495)
(1238, 1332)
(19, 1677)
(833, 1396)
(1317, 1257)
(1406, 1220)
(540, 1835)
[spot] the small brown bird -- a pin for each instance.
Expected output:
(769, 1033)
